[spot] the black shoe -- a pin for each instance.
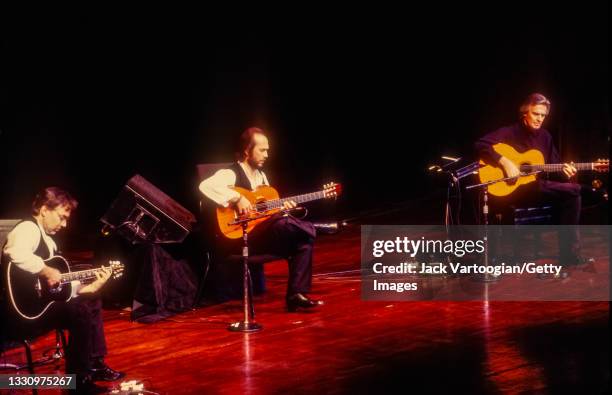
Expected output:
(103, 372)
(563, 274)
(298, 300)
(329, 228)
(86, 385)
(575, 260)
(585, 260)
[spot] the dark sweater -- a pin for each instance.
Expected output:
(521, 139)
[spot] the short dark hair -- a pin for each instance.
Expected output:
(246, 143)
(53, 197)
(533, 100)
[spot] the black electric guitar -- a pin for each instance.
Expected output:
(30, 297)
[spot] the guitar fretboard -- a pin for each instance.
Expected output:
(555, 167)
(80, 275)
(278, 203)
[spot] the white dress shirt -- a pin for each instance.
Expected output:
(23, 241)
(21, 244)
(218, 187)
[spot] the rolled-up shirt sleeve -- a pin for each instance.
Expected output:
(76, 286)
(218, 187)
(20, 246)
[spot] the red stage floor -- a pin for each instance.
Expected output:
(353, 346)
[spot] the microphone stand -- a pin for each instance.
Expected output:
(485, 212)
(248, 323)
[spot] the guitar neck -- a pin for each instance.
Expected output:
(80, 275)
(278, 203)
(556, 167)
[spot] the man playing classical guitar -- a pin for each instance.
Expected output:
(282, 235)
(526, 135)
(28, 244)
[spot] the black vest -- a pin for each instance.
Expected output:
(242, 180)
(42, 250)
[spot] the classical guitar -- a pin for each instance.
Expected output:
(30, 297)
(266, 202)
(529, 163)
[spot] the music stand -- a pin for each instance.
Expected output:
(454, 176)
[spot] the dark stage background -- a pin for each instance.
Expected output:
(368, 100)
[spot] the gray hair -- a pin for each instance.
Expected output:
(533, 100)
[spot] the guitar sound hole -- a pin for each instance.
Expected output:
(524, 167)
(261, 207)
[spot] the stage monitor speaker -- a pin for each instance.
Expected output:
(143, 213)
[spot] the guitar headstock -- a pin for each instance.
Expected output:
(332, 190)
(117, 268)
(601, 165)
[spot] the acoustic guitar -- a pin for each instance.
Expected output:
(529, 163)
(30, 297)
(266, 202)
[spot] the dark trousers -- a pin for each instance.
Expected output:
(82, 317)
(292, 239)
(564, 196)
(566, 201)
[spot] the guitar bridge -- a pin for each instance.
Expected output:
(56, 290)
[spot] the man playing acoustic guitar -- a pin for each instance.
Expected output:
(524, 136)
(282, 235)
(26, 248)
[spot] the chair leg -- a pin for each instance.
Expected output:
(28, 351)
(60, 344)
(63, 339)
(198, 295)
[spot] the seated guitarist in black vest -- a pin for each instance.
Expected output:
(565, 196)
(27, 246)
(282, 235)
